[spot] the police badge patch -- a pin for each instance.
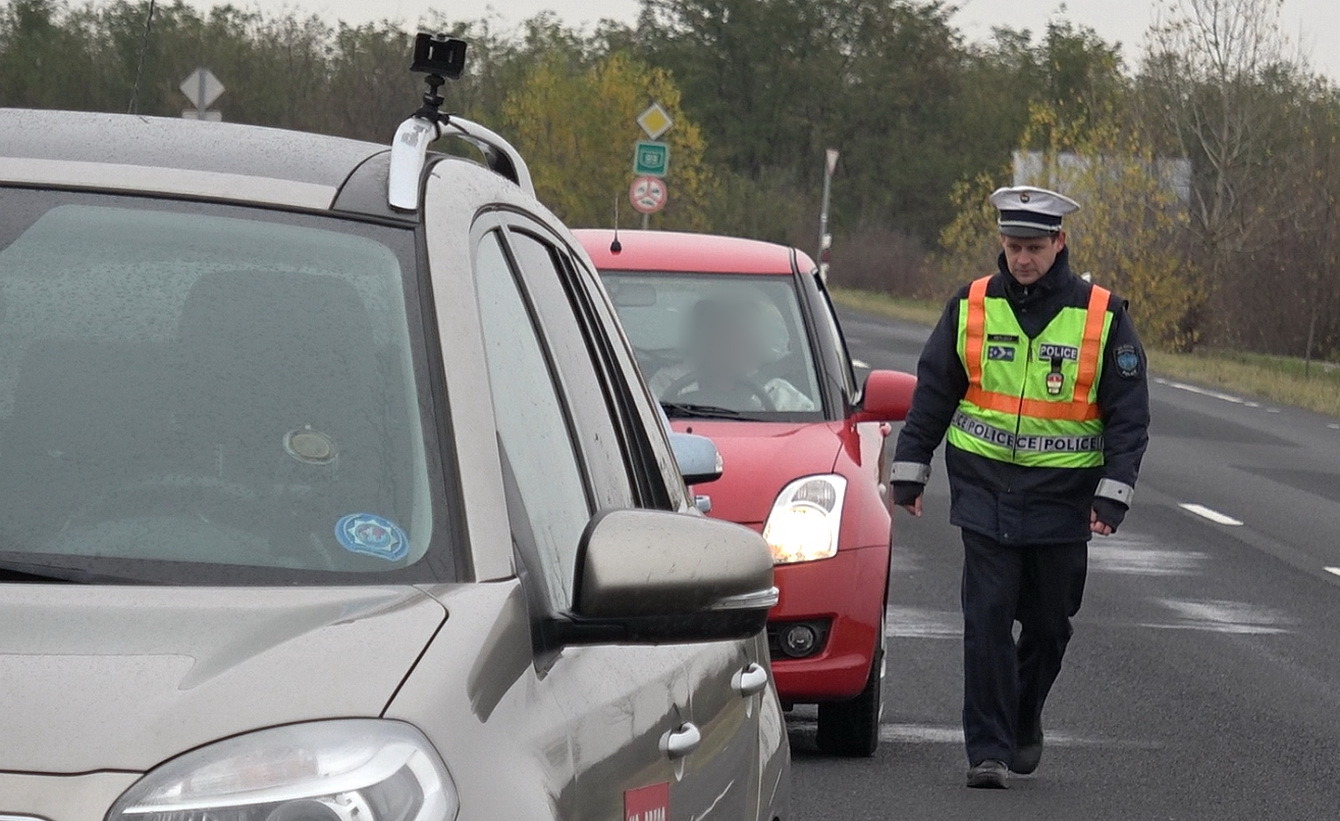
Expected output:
(372, 535)
(1128, 361)
(1000, 353)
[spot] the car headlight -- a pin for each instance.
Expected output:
(349, 770)
(804, 523)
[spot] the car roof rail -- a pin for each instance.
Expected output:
(409, 155)
(440, 57)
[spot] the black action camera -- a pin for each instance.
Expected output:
(440, 55)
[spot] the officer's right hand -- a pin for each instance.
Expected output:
(907, 495)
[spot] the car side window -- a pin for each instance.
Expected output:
(663, 485)
(579, 365)
(533, 425)
(620, 432)
(828, 319)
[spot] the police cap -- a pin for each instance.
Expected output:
(1026, 211)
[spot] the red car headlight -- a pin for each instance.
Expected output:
(805, 520)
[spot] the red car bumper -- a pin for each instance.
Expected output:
(846, 591)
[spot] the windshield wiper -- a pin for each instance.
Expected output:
(691, 410)
(18, 571)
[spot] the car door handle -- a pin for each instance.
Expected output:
(681, 742)
(751, 680)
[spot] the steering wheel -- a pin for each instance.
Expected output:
(651, 360)
(676, 389)
(212, 499)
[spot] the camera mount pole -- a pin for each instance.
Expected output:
(431, 110)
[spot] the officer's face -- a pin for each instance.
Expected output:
(1029, 258)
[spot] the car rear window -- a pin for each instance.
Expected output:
(195, 393)
(720, 341)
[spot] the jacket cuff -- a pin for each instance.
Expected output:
(910, 472)
(1116, 491)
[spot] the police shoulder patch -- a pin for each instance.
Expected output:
(1127, 360)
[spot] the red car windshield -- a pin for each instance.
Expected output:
(720, 344)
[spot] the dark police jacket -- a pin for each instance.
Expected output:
(1029, 505)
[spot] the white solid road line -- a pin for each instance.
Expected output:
(1182, 386)
(1225, 397)
(1334, 571)
(1211, 514)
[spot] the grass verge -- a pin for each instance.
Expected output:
(1278, 379)
(907, 310)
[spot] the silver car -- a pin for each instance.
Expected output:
(332, 492)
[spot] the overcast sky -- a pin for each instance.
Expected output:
(1314, 25)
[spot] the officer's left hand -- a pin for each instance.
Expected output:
(1098, 527)
(1106, 516)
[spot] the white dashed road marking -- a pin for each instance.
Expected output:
(1334, 571)
(919, 623)
(898, 733)
(1134, 556)
(1211, 514)
(1219, 616)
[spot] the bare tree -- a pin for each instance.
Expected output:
(1218, 73)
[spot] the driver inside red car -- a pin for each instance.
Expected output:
(726, 352)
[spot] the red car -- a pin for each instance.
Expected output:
(739, 341)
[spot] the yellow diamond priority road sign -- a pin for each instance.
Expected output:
(655, 121)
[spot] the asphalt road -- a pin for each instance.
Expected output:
(1204, 677)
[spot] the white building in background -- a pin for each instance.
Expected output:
(1031, 168)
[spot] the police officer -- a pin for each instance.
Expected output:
(1037, 380)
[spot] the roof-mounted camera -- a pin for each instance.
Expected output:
(439, 54)
(441, 58)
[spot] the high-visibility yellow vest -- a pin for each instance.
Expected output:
(1031, 402)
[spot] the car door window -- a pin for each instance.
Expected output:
(827, 319)
(533, 425)
(642, 413)
(619, 434)
(578, 365)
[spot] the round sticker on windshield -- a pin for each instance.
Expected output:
(372, 535)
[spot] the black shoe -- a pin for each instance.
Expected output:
(1026, 757)
(989, 775)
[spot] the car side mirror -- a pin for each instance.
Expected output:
(698, 458)
(652, 577)
(887, 397)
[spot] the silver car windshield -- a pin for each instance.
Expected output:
(729, 345)
(187, 390)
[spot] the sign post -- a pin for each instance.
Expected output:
(826, 239)
(651, 163)
(202, 88)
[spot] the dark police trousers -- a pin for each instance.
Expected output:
(1004, 683)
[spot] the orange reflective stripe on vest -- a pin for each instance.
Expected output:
(1079, 409)
(976, 332)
